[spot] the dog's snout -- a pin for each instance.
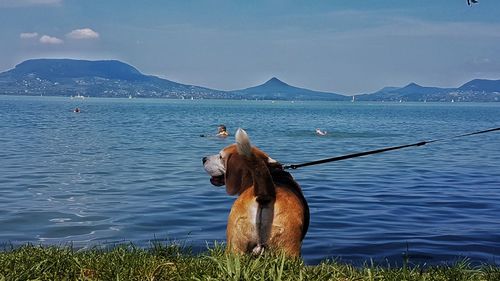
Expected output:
(204, 159)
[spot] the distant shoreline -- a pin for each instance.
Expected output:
(242, 99)
(113, 78)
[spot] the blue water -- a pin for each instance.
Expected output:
(130, 170)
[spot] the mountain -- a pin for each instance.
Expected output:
(475, 90)
(275, 89)
(104, 78)
(410, 92)
(112, 78)
(66, 68)
(481, 85)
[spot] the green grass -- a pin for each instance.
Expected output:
(171, 262)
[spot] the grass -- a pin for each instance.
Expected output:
(172, 262)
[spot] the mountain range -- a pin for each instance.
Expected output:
(476, 90)
(112, 78)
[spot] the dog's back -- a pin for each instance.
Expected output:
(272, 213)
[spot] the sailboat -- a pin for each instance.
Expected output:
(78, 96)
(353, 99)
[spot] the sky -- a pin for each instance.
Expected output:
(341, 46)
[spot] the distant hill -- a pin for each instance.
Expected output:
(275, 89)
(66, 68)
(104, 78)
(112, 78)
(475, 90)
(481, 85)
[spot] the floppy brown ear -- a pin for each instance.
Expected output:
(238, 176)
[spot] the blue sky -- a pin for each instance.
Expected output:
(340, 46)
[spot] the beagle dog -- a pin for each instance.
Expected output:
(270, 212)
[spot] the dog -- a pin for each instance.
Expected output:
(270, 213)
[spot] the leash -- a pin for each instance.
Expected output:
(359, 154)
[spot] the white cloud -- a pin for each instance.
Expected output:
(45, 39)
(24, 3)
(28, 35)
(84, 33)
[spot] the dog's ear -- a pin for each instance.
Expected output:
(243, 145)
(238, 176)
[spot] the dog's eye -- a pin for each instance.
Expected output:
(220, 157)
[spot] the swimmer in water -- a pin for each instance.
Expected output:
(222, 131)
(77, 110)
(320, 133)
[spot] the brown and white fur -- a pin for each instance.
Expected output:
(270, 212)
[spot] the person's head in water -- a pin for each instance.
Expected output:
(222, 131)
(77, 110)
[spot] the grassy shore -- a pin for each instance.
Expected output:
(170, 262)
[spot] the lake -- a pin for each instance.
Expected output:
(130, 170)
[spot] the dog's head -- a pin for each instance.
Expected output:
(230, 166)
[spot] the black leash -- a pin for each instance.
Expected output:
(359, 154)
